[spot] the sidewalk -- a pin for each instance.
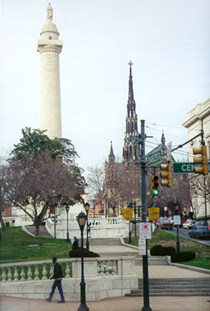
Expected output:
(110, 304)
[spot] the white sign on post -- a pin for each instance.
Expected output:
(145, 231)
(142, 247)
(177, 220)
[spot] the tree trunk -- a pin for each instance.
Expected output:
(36, 224)
(3, 227)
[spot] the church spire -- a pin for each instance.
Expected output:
(130, 89)
(130, 145)
(163, 140)
(131, 118)
(111, 154)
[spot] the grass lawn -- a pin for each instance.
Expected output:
(165, 238)
(16, 246)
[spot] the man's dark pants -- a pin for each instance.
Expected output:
(57, 283)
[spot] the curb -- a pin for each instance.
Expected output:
(197, 269)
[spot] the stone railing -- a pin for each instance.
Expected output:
(43, 269)
(104, 276)
(100, 227)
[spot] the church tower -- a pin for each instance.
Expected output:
(130, 149)
(110, 169)
(49, 46)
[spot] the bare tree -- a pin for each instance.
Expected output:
(39, 182)
(200, 189)
(3, 191)
(95, 180)
(122, 185)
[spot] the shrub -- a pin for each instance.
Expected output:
(159, 250)
(77, 253)
(182, 256)
(170, 250)
(156, 250)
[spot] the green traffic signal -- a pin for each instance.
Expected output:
(155, 191)
(155, 185)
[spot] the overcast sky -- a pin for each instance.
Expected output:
(167, 41)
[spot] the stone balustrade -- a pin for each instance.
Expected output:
(100, 227)
(104, 276)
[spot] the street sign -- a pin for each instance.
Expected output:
(127, 213)
(169, 148)
(154, 213)
(177, 220)
(185, 167)
(142, 247)
(145, 231)
(153, 158)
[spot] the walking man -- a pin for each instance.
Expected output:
(57, 276)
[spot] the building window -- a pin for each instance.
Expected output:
(50, 38)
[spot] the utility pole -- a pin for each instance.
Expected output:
(146, 306)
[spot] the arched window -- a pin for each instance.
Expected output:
(131, 151)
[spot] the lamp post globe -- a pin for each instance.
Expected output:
(87, 206)
(81, 218)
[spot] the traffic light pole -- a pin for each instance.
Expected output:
(146, 306)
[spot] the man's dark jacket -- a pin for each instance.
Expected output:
(57, 271)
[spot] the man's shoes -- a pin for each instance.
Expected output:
(49, 299)
(61, 301)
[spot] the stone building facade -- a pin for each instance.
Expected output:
(198, 119)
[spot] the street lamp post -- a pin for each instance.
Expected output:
(67, 211)
(87, 206)
(177, 230)
(81, 218)
(146, 306)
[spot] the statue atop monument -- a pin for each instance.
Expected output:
(49, 13)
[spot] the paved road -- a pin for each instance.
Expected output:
(184, 233)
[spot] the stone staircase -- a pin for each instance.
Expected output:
(107, 241)
(153, 261)
(175, 287)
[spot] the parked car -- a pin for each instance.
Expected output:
(164, 223)
(201, 223)
(188, 224)
(183, 220)
(200, 232)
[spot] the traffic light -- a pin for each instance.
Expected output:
(166, 174)
(155, 185)
(201, 159)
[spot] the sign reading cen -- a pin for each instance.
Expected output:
(185, 167)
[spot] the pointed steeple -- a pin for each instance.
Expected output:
(131, 117)
(163, 140)
(130, 89)
(111, 154)
(130, 144)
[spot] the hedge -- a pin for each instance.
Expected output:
(182, 256)
(77, 253)
(159, 250)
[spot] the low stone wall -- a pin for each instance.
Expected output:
(104, 277)
(100, 227)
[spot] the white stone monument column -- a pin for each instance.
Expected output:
(50, 47)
